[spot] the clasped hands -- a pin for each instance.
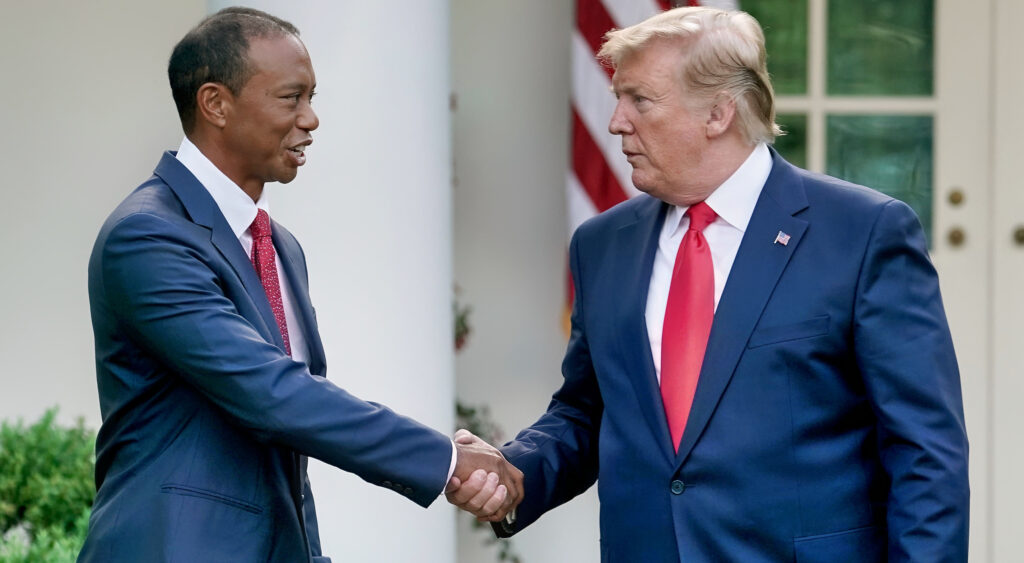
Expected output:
(484, 483)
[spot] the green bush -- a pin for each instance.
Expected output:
(46, 490)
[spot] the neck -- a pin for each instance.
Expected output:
(225, 163)
(720, 164)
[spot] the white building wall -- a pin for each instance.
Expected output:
(86, 111)
(510, 75)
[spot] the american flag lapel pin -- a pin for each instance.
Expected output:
(782, 238)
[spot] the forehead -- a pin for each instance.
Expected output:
(281, 58)
(656, 63)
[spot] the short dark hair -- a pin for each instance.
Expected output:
(216, 50)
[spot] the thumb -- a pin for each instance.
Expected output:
(466, 437)
(453, 484)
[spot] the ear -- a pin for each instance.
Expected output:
(721, 116)
(213, 103)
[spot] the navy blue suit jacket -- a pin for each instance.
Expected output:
(206, 421)
(827, 423)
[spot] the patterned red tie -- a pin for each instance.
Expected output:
(266, 268)
(688, 315)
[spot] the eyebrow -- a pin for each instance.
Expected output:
(296, 86)
(624, 89)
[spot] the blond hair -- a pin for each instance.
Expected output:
(723, 52)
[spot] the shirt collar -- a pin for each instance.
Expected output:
(237, 207)
(735, 199)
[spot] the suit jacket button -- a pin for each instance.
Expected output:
(407, 491)
(678, 487)
(387, 484)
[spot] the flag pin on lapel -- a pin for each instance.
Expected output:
(782, 238)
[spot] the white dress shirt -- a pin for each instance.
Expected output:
(240, 211)
(734, 203)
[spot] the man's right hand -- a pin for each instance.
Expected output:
(484, 483)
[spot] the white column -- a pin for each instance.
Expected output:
(372, 209)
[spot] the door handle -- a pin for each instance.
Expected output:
(956, 237)
(956, 197)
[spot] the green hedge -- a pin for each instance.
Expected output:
(46, 490)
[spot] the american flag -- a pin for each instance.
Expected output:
(599, 176)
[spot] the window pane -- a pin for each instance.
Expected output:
(880, 47)
(890, 153)
(785, 35)
(793, 145)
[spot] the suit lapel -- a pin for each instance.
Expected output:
(759, 263)
(294, 269)
(636, 345)
(204, 211)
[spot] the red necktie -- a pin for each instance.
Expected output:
(688, 315)
(266, 269)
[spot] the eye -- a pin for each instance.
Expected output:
(642, 103)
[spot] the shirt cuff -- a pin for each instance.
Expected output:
(451, 466)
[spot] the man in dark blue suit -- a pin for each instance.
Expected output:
(760, 368)
(209, 363)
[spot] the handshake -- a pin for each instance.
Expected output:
(484, 483)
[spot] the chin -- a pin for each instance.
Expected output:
(643, 186)
(286, 176)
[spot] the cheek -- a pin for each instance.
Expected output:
(664, 146)
(682, 141)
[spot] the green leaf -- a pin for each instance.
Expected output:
(46, 488)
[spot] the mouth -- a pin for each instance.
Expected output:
(297, 153)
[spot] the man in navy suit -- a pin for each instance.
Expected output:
(209, 363)
(821, 418)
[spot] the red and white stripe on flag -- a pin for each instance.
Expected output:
(599, 176)
(720, 4)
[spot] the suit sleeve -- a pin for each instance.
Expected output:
(905, 353)
(558, 454)
(160, 284)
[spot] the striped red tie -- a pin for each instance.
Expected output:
(688, 315)
(266, 267)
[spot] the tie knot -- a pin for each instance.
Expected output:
(701, 215)
(260, 225)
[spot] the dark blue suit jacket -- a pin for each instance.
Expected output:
(827, 423)
(206, 421)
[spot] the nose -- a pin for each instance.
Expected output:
(308, 121)
(619, 123)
